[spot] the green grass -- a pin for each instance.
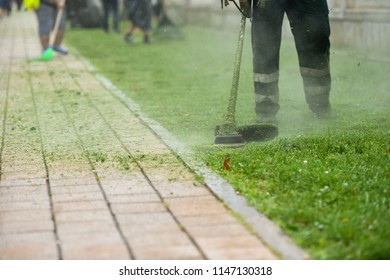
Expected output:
(330, 193)
(325, 182)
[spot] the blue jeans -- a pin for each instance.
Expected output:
(107, 6)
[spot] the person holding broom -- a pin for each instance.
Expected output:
(46, 14)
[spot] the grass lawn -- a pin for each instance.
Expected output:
(325, 182)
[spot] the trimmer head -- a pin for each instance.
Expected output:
(233, 140)
(231, 136)
(258, 132)
(226, 135)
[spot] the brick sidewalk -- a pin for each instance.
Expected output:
(82, 177)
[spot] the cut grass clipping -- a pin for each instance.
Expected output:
(325, 182)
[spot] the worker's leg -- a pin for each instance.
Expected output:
(266, 38)
(310, 26)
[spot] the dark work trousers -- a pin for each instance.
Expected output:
(309, 24)
(109, 5)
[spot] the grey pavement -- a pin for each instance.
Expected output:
(83, 176)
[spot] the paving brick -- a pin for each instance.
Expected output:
(144, 207)
(31, 251)
(23, 182)
(23, 174)
(85, 227)
(167, 161)
(96, 251)
(195, 206)
(207, 220)
(173, 189)
(157, 236)
(20, 166)
(41, 189)
(232, 230)
(158, 175)
(138, 184)
(128, 188)
(39, 246)
(77, 196)
(25, 196)
(25, 205)
(176, 252)
(16, 164)
(239, 247)
(138, 219)
(161, 243)
(254, 253)
(26, 238)
(144, 147)
(94, 246)
(72, 181)
(116, 174)
(172, 237)
(26, 226)
(149, 228)
(83, 216)
(75, 189)
(24, 215)
(134, 198)
(74, 206)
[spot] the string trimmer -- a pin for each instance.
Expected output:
(228, 134)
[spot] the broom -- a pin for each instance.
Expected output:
(48, 54)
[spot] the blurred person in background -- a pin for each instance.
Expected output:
(19, 4)
(110, 5)
(139, 13)
(5, 8)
